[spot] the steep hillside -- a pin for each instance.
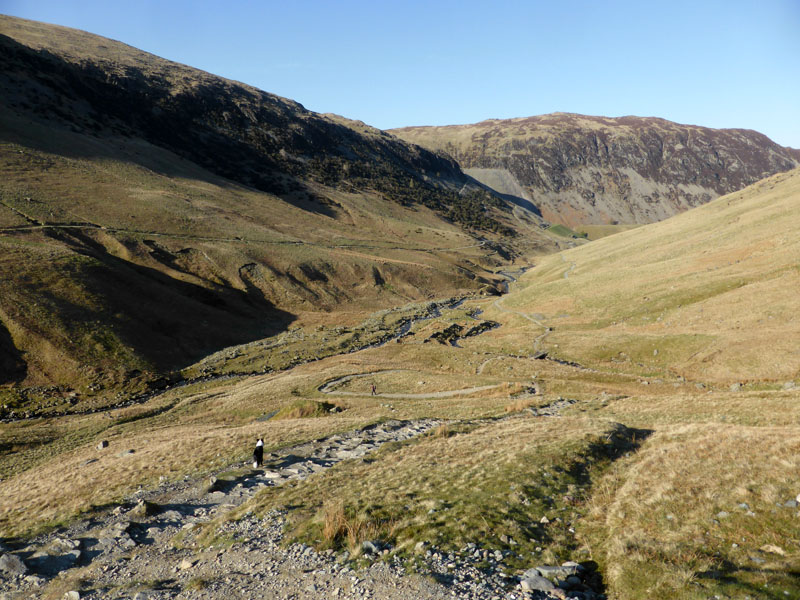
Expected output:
(595, 170)
(151, 214)
(709, 295)
(101, 87)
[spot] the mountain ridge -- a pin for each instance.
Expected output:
(580, 169)
(262, 140)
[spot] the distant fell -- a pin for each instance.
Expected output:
(596, 170)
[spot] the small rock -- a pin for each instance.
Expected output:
(125, 453)
(771, 549)
(723, 514)
(12, 565)
(369, 547)
(144, 508)
(552, 572)
(212, 484)
(544, 520)
(36, 580)
(736, 387)
(51, 564)
(536, 583)
(791, 504)
(101, 445)
(187, 563)
(141, 596)
(72, 595)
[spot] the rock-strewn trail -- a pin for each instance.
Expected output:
(131, 551)
(119, 552)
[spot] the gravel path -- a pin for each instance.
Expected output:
(330, 388)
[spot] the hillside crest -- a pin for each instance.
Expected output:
(580, 169)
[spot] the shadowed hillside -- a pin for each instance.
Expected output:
(595, 170)
(103, 88)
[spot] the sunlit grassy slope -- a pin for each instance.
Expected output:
(710, 295)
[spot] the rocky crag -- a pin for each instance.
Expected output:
(579, 169)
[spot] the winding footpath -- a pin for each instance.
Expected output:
(330, 388)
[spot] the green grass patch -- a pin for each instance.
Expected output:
(565, 231)
(304, 409)
(459, 486)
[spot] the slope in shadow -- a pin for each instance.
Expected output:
(170, 323)
(83, 100)
(13, 367)
(510, 198)
(234, 131)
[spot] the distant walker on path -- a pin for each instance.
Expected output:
(258, 454)
(374, 390)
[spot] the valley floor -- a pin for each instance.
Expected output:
(474, 461)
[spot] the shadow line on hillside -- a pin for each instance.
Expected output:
(511, 198)
(615, 443)
(13, 367)
(725, 571)
(169, 322)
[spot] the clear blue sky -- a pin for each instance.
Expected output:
(730, 63)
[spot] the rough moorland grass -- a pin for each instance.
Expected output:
(595, 232)
(725, 273)
(303, 409)
(690, 517)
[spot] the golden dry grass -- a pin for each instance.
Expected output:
(648, 514)
(709, 295)
(700, 503)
